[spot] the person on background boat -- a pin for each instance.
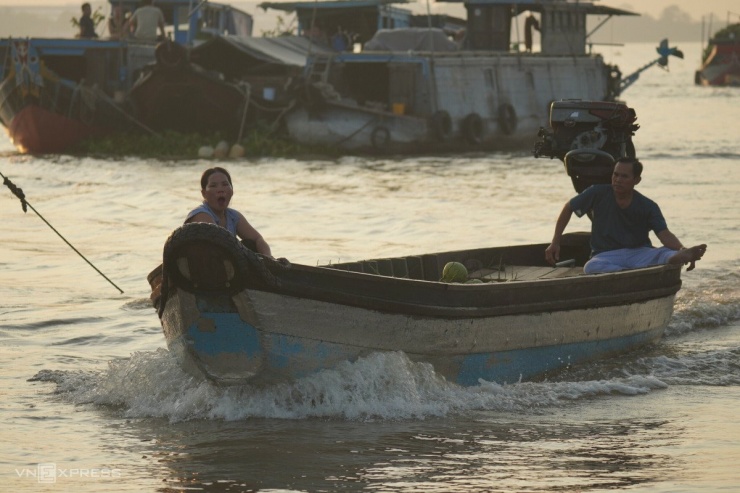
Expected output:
(145, 21)
(217, 190)
(116, 22)
(529, 24)
(340, 40)
(622, 218)
(87, 26)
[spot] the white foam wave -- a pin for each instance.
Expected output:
(385, 386)
(718, 367)
(715, 303)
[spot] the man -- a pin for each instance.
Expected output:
(87, 26)
(622, 218)
(529, 24)
(145, 21)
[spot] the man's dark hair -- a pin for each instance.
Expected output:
(636, 165)
(207, 174)
(86, 4)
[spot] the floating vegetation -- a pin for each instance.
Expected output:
(175, 145)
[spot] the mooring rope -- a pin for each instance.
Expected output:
(18, 192)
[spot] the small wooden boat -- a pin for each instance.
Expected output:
(235, 316)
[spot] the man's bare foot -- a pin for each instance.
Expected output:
(688, 256)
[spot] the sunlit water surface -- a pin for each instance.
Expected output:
(89, 389)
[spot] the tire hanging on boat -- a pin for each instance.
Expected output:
(472, 128)
(507, 118)
(245, 265)
(441, 124)
(170, 55)
(206, 236)
(380, 137)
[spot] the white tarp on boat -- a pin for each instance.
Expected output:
(411, 39)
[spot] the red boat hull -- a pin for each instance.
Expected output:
(36, 130)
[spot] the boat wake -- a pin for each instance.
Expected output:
(701, 347)
(381, 386)
(714, 303)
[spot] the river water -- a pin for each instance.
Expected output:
(92, 401)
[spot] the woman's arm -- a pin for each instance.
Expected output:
(247, 232)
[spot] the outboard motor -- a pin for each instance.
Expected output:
(588, 137)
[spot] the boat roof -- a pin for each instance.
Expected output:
(542, 5)
(192, 4)
(278, 50)
(338, 4)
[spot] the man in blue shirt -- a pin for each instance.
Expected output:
(622, 219)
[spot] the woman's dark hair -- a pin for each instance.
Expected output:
(636, 165)
(207, 174)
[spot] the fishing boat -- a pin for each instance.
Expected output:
(721, 59)
(56, 92)
(234, 317)
(413, 89)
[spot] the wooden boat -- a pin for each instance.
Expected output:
(56, 92)
(721, 60)
(413, 90)
(237, 317)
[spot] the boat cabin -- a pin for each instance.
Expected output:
(188, 21)
(562, 24)
(358, 21)
(111, 64)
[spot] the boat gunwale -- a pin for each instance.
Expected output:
(480, 300)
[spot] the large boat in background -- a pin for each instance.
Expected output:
(721, 59)
(55, 92)
(360, 76)
(417, 88)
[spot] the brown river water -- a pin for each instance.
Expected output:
(91, 400)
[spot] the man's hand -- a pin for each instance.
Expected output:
(552, 253)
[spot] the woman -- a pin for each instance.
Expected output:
(116, 22)
(216, 188)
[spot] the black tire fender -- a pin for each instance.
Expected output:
(441, 125)
(224, 246)
(472, 128)
(380, 137)
(170, 55)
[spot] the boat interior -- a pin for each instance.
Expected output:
(497, 264)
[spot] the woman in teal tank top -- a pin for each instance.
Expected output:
(217, 190)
